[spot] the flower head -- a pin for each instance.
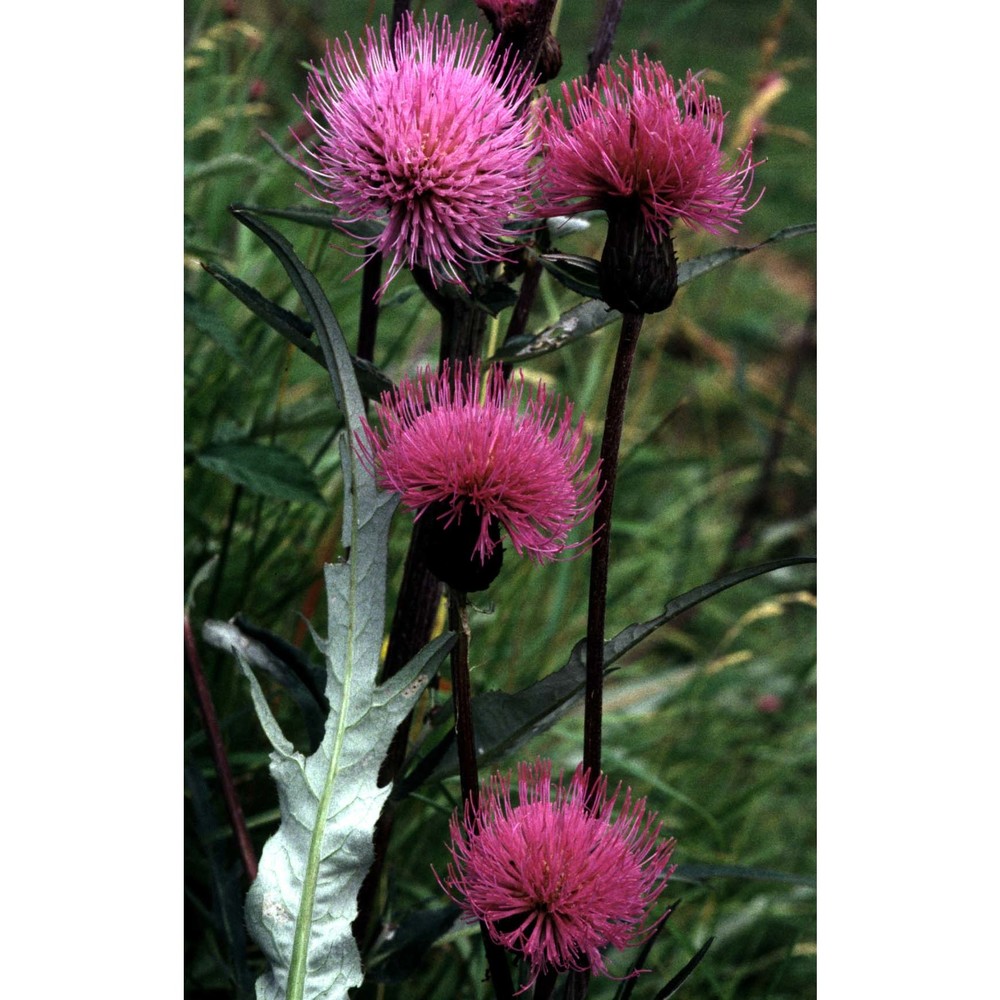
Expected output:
(472, 461)
(422, 131)
(642, 142)
(553, 880)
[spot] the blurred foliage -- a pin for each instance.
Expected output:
(712, 717)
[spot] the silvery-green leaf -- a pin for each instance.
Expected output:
(301, 906)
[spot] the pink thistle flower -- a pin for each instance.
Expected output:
(426, 133)
(473, 460)
(643, 141)
(553, 881)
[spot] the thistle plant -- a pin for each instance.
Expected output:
(647, 153)
(440, 149)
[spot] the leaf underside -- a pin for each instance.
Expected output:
(300, 907)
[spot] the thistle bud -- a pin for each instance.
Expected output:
(450, 542)
(638, 272)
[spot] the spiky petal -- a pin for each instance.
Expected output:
(640, 141)
(443, 443)
(424, 132)
(553, 881)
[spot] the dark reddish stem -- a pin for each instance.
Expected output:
(605, 37)
(399, 8)
(522, 308)
(462, 331)
(535, 36)
(577, 985)
(211, 720)
(468, 767)
(461, 693)
(613, 422)
(371, 280)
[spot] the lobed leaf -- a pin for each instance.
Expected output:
(301, 906)
(279, 660)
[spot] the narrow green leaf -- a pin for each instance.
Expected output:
(296, 330)
(691, 269)
(301, 906)
(577, 273)
(503, 722)
(574, 324)
(634, 634)
(265, 469)
(319, 218)
(201, 576)
(699, 873)
(593, 315)
(402, 953)
(678, 981)
(625, 989)
(227, 163)
(335, 353)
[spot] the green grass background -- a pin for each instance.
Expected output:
(734, 784)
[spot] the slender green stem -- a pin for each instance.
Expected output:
(756, 504)
(610, 444)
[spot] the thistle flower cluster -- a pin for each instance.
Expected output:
(424, 133)
(552, 879)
